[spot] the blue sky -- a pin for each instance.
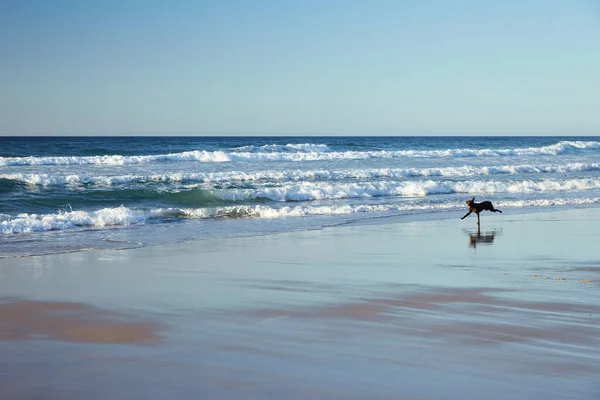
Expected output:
(289, 67)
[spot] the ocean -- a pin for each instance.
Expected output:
(65, 194)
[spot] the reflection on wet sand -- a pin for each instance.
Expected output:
(476, 303)
(486, 238)
(72, 322)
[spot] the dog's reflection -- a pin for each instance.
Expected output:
(485, 238)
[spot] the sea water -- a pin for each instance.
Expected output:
(73, 193)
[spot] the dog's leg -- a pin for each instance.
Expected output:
(493, 209)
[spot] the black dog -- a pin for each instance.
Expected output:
(479, 207)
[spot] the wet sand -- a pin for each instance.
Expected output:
(419, 310)
(73, 322)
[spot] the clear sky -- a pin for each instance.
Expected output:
(304, 67)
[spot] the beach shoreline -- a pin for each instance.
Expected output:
(126, 244)
(431, 309)
(62, 195)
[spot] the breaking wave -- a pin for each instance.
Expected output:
(307, 191)
(294, 175)
(202, 194)
(302, 152)
(63, 220)
(305, 147)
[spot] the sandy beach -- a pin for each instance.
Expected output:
(416, 310)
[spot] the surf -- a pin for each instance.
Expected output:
(204, 156)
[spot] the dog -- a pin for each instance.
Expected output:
(479, 207)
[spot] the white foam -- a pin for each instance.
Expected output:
(308, 154)
(202, 156)
(262, 211)
(290, 190)
(305, 191)
(302, 175)
(554, 202)
(25, 223)
(288, 147)
(72, 219)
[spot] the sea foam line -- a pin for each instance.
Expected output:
(71, 219)
(300, 175)
(306, 147)
(561, 147)
(333, 190)
(307, 191)
(121, 216)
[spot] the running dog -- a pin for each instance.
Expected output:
(479, 207)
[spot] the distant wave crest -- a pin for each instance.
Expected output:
(290, 147)
(6, 180)
(300, 152)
